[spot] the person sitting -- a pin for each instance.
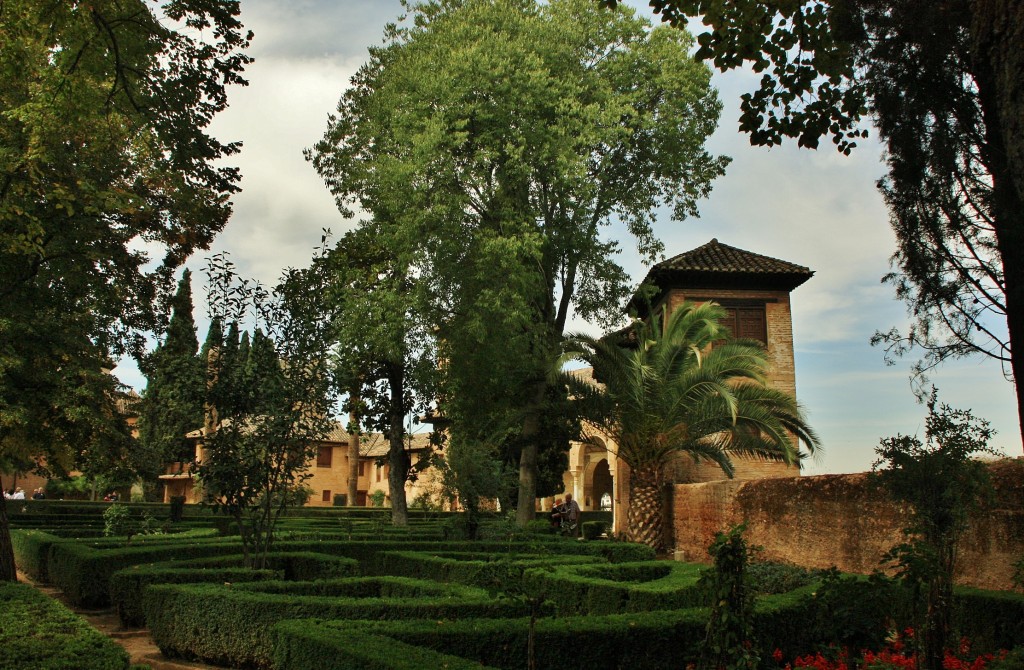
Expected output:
(19, 494)
(556, 513)
(38, 494)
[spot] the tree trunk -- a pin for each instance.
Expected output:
(8, 571)
(353, 458)
(397, 456)
(526, 512)
(644, 522)
(997, 32)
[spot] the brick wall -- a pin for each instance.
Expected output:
(843, 520)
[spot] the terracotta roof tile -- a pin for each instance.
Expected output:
(717, 257)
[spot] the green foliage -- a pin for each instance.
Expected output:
(728, 640)
(386, 355)
(767, 577)
(172, 404)
(592, 530)
(31, 549)
(682, 388)
(856, 612)
(269, 404)
(297, 646)
(943, 483)
(38, 632)
(573, 118)
(377, 498)
(104, 159)
(118, 521)
(232, 625)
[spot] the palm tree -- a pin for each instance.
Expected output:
(687, 388)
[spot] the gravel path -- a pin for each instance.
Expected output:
(136, 641)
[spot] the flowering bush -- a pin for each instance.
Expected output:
(898, 654)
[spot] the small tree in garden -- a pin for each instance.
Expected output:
(266, 410)
(943, 483)
(727, 644)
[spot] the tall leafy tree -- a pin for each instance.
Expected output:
(103, 145)
(498, 139)
(386, 354)
(172, 404)
(682, 388)
(944, 83)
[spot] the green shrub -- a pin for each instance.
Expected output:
(992, 620)
(83, 572)
(768, 577)
(593, 529)
(38, 632)
(126, 586)
(230, 624)
(118, 522)
(299, 645)
(540, 527)
(623, 587)
(31, 548)
(177, 508)
(462, 567)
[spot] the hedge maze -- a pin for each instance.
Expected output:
(350, 591)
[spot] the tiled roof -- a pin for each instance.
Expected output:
(371, 444)
(717, 257)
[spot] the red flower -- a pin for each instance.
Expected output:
(777, 655)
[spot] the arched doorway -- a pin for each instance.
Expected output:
(601, 488)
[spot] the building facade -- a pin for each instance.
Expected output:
(328, 470)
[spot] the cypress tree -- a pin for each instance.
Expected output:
(172, 403)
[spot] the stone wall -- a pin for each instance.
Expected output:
(843, 520)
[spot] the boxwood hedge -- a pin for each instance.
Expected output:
(230, 624)
(38, 632)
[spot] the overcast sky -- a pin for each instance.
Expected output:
(813, 208)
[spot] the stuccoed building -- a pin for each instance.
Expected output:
(328, 471)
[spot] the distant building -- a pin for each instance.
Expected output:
(328, 470)
(755, 292)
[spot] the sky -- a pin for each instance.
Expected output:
(814, 208)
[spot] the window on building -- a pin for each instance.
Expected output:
(323, 457)
(362, 469)
(378, 472)
(327, 496)
(747, 323)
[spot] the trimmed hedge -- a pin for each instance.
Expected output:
(298, 645)
(83, 572)
(126, 586)
(463, 567)
(230, 624)
(658, 640)
(992, 620)
(31, 552)
(38, 632)
(623, 587)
